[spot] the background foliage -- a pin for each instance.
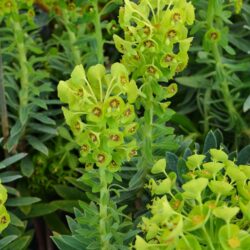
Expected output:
(40, 43)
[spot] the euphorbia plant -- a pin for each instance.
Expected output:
(154, 49)
(101, 110)
(209, 211)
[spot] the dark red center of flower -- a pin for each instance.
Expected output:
(151, 70)
(149, 44)
(114, 103)
(214, 35)
(168, 58)
(114, 137)
(101, 158)
(93, 137)
(171, 34)
(3, 220)
(176, 17)
(84, 148)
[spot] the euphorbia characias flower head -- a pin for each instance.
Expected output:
(156, 39)
(101, 114)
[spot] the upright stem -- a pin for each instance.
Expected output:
(24, 79)
(238, 122)
(146, 160)
(72, 38)
(147, 154)
(3, 105)
(103, 209)
(98, 33)
(210, 243)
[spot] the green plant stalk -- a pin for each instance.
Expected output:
(146, 160)
(3, 105)
(239, 123)
(103, 209)
(148, 123)
(98, 33)
(72, 38)
(207, 98)
(210, 243)
(228, 99)
(22, 58)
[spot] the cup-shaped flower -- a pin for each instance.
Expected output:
(197, 217)
(192, 189)
(220, 187)
(218, 155)
(236, 174)
(195, 161)
(225, 213)
(159, 166)
(213, 167)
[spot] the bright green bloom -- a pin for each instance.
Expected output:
(101, 114)
(152, 32)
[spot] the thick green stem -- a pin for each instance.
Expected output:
(98, 33)
(3, 105)
(147, 153)
(103, 209)
(72, 38)
(22, 58)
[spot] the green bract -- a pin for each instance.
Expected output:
(101, 114)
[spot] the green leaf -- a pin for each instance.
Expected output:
(61, 244)
(41, 209)
(9, 176)
(43, 128)
(21, 201)
(246, 105)
(210, 142)
(38, 145)
(184, 122)
(7, 240)
(14, 220)
(27, 167)
(43, 118)
(20, 244)
(9, 161)
(244, 156)
(65, 205)
(196, 81)
(69, 193)
(24, 115)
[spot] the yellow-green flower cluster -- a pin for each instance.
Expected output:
(156, 37)
(13, 6)
(216, 191)
(99, 115)
(4, 216)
